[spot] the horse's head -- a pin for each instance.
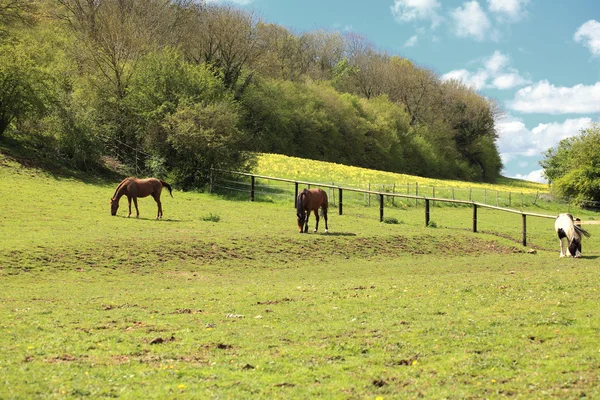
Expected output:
(301, 216)
(574, 246)
(114, 206)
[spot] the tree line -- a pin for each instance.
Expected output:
(175, 86)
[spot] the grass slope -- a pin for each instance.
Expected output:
(277, 165)
(99, 306)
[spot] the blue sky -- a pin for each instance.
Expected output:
(539, 59)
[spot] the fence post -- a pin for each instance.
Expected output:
(252, 188)
(426, 213)
(484, 196)
(524, 239)
(295, 194)
(509, 199)
(416, 193)
(474, 217)
(497, 200)
(380, 207)
(521, 199)
(340, 201)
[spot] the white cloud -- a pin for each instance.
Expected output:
(496, 62)
(534, 176)
(513, 9)
(412, 41)
(589, 35)
(497, 68)
(508, 81)
(411, 10)
(471, 21)
(543, 97)
(516, 140)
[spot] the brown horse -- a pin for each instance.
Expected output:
(310, 200)
(134, 188)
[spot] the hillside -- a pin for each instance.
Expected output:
(325, 172)
(224, 298)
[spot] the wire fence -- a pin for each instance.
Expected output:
(460, 210)
(267, 189)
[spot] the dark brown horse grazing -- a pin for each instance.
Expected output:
(310, 200)
(134, 188)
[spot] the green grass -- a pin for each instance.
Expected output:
(224, 299)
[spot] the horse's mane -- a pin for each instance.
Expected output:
(119, 187)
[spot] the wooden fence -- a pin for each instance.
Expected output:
(381, 195)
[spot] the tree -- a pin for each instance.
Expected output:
(16, 12)
(367, 67)
(224, 37)
(184, 117)
(472, 120)
(573, 167)
(23, 88)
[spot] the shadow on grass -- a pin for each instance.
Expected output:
(31, 153)
(149, 219)
(332, 233)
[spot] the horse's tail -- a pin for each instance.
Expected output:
(165, 184)
(324, 202)
(582, 231)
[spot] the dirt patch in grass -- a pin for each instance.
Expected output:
(251, 250)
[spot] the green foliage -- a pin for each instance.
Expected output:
(175, 87)
(23, 91)
(185, 117)
(573, 166)
(211, 218)
(203, 137)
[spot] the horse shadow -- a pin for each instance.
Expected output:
(151, 219)
(337, 234)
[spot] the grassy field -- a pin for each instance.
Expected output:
(224, 299)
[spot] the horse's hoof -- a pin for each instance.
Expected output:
(326, 231)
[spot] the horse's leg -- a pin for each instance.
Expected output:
(129, 201)
(562, 251)
(306, 222)
(159, 205)
(317, 218)
(325, 217)
(137, 211)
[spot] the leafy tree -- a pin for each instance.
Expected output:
(573, 167)
(203, 136)
(23, 90)
(185, 117)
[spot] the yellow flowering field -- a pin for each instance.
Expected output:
(280, 166)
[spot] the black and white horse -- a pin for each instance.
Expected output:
(566, 229)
